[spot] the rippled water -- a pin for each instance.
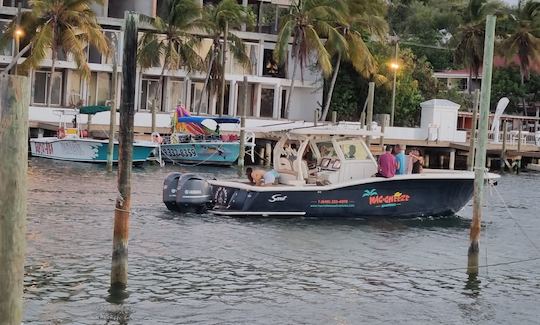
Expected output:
(216, 270)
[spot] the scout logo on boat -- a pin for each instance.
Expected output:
(385, 201)
(277, 198)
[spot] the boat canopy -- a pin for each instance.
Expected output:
(94, 109)
(200, 119)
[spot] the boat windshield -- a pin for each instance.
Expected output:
(326, 149)
(354, 150)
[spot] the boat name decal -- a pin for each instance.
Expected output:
(44, 148)
(385, 201)
(277, 198)
(179, 152)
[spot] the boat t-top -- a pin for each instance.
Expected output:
(325, 171)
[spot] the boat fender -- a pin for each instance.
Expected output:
(156, 137)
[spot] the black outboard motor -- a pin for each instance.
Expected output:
(187, 192)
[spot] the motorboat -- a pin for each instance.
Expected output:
(340, 183)
(197, 140)
(73, 144)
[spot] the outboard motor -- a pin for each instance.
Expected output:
(187, 192)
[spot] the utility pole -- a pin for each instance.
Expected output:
(480, 163)
(14, 103)
(112, 120)
(122, 211)
(243, 127)
(223, 60)
(470, 157)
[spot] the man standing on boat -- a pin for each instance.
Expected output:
(388, 164)
(401, 159)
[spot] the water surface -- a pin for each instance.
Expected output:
(192, 269)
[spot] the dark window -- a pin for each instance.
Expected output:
(94, 56)
(283, 103)
(15, 3)
(270, 68)
(267, 102)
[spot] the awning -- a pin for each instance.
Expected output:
(94, 109)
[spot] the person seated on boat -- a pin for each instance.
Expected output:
(262, 177)
(388, 164)
(401, 159)
(417, 162)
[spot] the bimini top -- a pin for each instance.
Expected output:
(343, 129)
(94, 109)
(200, 119)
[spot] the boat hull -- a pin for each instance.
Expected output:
(211, 153)
(85, 150)
(373, 198)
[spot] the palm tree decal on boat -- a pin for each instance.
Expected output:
(371, 192)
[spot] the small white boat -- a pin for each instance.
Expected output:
(71, 144)
(534, 167)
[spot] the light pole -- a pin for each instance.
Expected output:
(394, 66)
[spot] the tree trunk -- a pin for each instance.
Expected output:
(206, 81)
(49, 90)
(525, 110)
(159, 90)
(223, 60)
(331, 90)
(287, 106)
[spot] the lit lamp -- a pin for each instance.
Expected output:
(18, 34)
(394, 66)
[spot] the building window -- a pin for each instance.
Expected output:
(99, 90)
(267, 102)
(15, 3)
(175, 95)
(149, 92)
(250, 96)
(463, 84)
(41, 84)
(270, 68)
(196, 96)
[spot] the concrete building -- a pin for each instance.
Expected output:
(268, 84)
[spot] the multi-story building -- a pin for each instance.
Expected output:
(268, 83)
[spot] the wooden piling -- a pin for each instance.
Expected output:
(334, 117)
(503, 151)
(242, 127)
(268, 154)
(452, 160)
(14, 103)
(119, 267)
(479, 168)
(369, 115)
(470, 157)
(112, 118)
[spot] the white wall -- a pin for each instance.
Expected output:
(304, 102)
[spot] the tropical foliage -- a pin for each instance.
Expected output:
(61, 27)
(171, 45)
(308, 22)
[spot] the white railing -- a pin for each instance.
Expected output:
(512, 137)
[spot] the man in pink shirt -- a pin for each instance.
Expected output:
(387, 164)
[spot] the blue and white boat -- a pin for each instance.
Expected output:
(71, 144)
(197, 140)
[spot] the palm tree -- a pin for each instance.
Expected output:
(171, 42)
(307, 23)
(61, 26)
(524, 38)
(217, 20)
(363, 17)
(470, 36)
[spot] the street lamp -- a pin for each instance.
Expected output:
(394, 66)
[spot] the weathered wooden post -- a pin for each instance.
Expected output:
(470, 157)
(125, 156)
(14, 103)
(370, 99)
(154, 115)
(503, 151)
(112, 119)
(520, 134)
(334, 117)
(480, 164)
(223, 61)
(268, 154)
(243, 127)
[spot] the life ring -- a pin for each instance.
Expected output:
(61, 133)
(156, 137)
